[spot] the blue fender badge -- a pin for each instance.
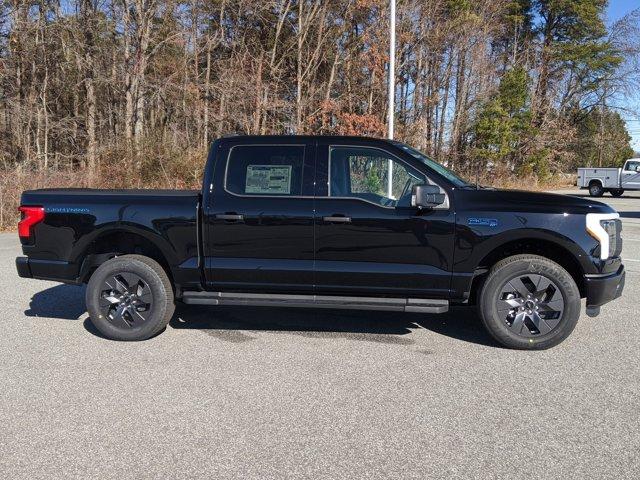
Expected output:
(482, 222)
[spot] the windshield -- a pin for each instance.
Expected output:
(445, 172)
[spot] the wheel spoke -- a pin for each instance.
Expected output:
(111, 299)
(552, 310)
(107, 299)
(509, 304)
(519, 286)
(542, 286)
(143, 290)
(121, 284)
(518, 324)
(137, 316)
(547, 294)
(553, 304)
(131, 280)
(540, 323)
(117, 316)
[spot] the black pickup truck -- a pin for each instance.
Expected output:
(327, 222)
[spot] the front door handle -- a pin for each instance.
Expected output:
(337, 219)
(230, 217)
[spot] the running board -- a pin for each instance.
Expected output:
(317, 301)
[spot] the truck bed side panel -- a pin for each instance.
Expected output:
(76, 219)
(609, 177)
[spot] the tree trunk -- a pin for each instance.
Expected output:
(87, 22)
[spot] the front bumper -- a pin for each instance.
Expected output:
(603, 289)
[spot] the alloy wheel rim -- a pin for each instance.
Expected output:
(126, 300)
(530, 305)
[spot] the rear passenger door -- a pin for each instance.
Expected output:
(369, 239)
(260, 221)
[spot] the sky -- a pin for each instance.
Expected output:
(615, 10)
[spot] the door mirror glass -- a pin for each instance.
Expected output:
(427, 196)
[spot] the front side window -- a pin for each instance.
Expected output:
(633, 166)
(360, 172)
(265, 170)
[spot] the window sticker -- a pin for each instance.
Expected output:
(268, 179)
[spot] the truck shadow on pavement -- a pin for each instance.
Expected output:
(235, 324)
(65, 302)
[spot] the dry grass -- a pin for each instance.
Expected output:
(531, 183)
(166, 168)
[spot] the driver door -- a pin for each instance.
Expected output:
(631, 175)
(368, 239)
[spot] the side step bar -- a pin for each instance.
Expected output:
(317, 301)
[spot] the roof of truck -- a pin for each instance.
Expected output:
(304, 137)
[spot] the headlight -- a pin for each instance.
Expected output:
(604, 228)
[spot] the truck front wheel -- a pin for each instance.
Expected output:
(595, 189)
(130, 298)
(617, 192)
(529, 302)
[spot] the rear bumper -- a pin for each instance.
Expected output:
(55, 270)
(22, 264)
(601, 290)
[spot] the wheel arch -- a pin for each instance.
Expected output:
(595, 180)
(122, 241)
(544, 247)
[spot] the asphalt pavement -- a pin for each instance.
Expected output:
(274, 393)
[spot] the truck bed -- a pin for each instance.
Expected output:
(81, 220)
(610, 177)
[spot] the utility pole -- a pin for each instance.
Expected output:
(602, 113)
(392, 87)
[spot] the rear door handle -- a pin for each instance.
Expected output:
(337, 219)
(233, 217)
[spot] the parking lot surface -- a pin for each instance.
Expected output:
(276, 393)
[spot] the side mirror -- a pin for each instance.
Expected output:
(427, 196)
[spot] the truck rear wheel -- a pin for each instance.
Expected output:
(617, 192)
(130, 298)
(595, 189)
(529, 302)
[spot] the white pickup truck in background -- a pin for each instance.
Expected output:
(612, 180)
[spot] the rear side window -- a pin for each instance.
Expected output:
(265, 170)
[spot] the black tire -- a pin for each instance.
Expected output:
(595, 189)
(502, 312)
(616, 192)
(130, 298)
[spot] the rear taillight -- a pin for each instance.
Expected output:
(30, 217)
